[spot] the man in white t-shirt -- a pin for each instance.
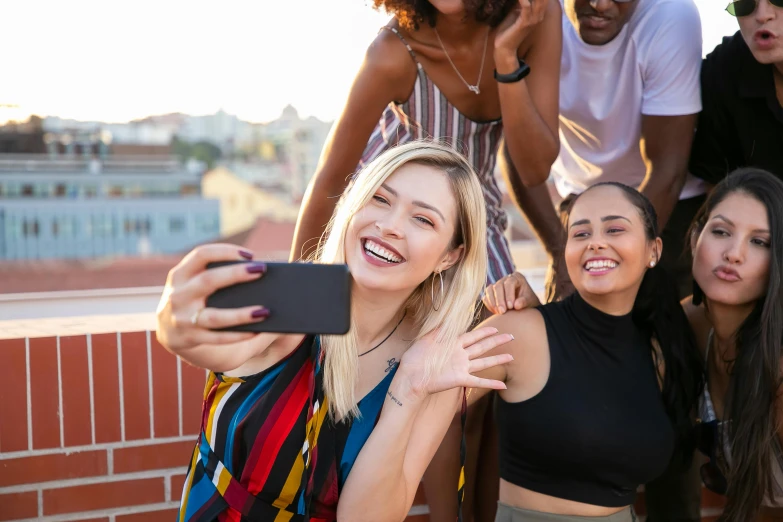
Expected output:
(629, 97)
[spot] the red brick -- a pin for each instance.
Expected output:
(165, 391)
(418, 518)
(105, 495)
(102, 519)
(106, 388)
(177, 485)
(166, 515)
(19, 505)
(13, 396)
(43, 468)
(135, 386)
(193, 382)
(156, 456)
(74, 370)
(44, 392)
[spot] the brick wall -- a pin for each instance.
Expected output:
(100, 427)
(94, 427)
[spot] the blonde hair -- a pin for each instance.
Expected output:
(462, 283)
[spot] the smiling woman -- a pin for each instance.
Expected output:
(312, 427)
(602, 383)
(413, 205)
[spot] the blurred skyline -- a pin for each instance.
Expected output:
(118, 61)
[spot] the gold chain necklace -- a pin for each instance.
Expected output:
(474, 88)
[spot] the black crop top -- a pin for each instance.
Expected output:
(598, 429)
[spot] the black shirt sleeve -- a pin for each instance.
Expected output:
(715, 146)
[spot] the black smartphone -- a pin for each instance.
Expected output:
(302, 298)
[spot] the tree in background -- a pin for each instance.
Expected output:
(203, 151)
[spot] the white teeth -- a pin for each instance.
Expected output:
(379, 251)
(600, 264)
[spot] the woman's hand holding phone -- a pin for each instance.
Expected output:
(185, 327)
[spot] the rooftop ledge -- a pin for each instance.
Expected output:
(82, 325)
(120, 310)
(78, 312)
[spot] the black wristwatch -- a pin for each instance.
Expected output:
(524, 70)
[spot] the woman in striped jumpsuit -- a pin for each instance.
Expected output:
(431, 73)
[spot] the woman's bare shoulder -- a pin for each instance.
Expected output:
(388, 56)
(528, 373)
(518, 323)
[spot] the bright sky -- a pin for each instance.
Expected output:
(120, 60)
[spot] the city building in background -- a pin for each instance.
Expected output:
(281, 155)
(80, 204)
(244, 200)
(93, 215)
(290, 144)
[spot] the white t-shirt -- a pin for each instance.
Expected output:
(652, 67)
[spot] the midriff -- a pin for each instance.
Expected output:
(523, 498)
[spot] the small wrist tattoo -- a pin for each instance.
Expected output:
(392, 363)
(394, 399)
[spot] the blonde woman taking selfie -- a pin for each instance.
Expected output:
(291, 423)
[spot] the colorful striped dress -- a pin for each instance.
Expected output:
(267, 450)
(428, 114)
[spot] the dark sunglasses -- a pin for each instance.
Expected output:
(746, 7)
(711, 475)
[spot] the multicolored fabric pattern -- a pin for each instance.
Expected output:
(428, 114)
(268, 452)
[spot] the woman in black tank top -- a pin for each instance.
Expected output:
(603, 383)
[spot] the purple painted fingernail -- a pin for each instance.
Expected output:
(246, 254)
(256, 268)
(261, 313)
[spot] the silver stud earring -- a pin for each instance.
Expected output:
(652, 264)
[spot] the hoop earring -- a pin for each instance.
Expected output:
(432, 292)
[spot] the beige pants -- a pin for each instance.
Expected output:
(508, 513)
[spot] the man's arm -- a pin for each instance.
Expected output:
(671, 99)
(666, 146)
(536, 205)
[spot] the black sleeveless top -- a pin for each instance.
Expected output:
(598, 429)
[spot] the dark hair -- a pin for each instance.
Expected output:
(755, 373)
(410, 14)
(657, 311)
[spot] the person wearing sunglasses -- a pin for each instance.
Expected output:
(629, 99)
(742, 92)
